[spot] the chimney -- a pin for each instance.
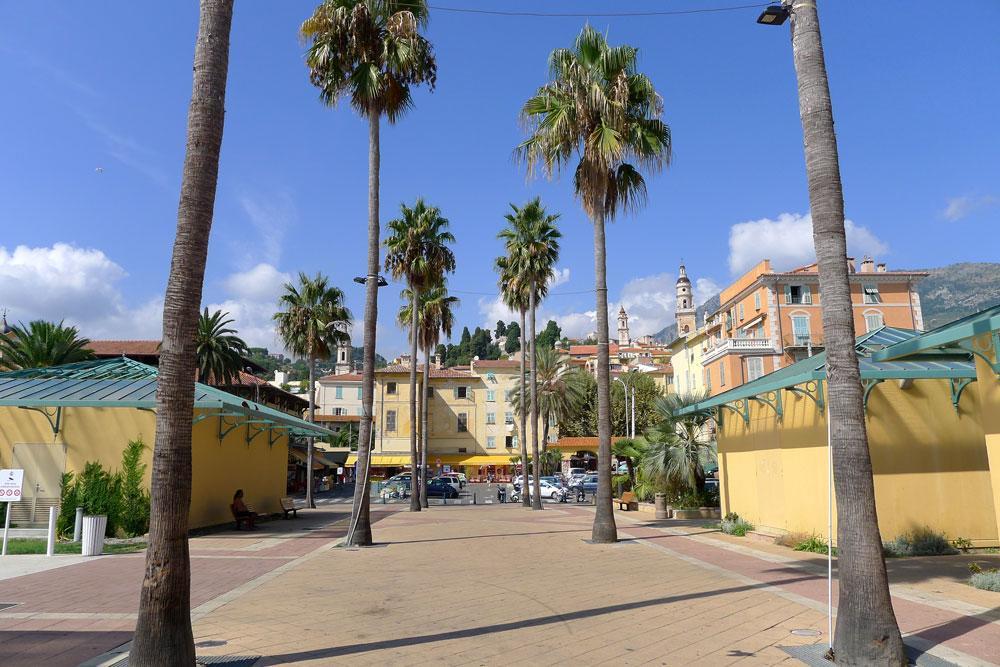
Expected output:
(472, 364)
(867, 264)
(880, 268)
(436, 361)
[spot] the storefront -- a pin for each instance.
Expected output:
(476, 468)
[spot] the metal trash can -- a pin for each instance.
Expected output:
(660, 504)
(93, 534)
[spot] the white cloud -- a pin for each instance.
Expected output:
(559, 277)
(270, 215)
(705, 289)
(961, 207)
(787, 242)
(78, 285)
(261, 283)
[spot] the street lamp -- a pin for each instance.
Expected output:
(362, 280)
(773, 15)
(629, 430)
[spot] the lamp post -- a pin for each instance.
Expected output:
(356, 510)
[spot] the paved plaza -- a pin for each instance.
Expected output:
(484, 585)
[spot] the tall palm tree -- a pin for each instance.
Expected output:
(220, 351)
(312, 323)
(41, 344)
(417, 250)
(561, 389)
(532, 242)
(678, 445)
(514, 293)
(372, 52)
(163, 633)
(436, 316)
(598, 107)
(867, 631)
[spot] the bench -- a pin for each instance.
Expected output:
(240, 519)
(628, 502)
(288, 507)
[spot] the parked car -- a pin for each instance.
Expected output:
(451, 480)
(547, 489)
(462, 479)
(588, 483)
(439, 488)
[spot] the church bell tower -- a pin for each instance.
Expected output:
(687, 322)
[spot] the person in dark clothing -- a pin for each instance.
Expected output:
(242, 511)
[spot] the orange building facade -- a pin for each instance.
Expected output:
(767, 320)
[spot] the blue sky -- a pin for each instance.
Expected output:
(94, 132)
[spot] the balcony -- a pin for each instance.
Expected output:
(738, 346)
(803, 341)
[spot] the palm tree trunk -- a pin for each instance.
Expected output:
(604, 530)
(523, 419)
(361, 535)
(310, 501)
(545, 431)
(867, 632)
(424, 422)
(414, 461)
(163, 629)
(536, 495)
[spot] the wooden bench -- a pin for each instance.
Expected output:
(628, 502)
(288, 507)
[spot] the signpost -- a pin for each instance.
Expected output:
(10, 492)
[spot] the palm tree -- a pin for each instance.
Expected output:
(599, 107)
(372, 52)
(435, 317)
(561, 389)
(867, 631)
(220, 351)
(678, 445)
(312, 323)
(417, 250)
(41, 344)
(163, 633)
(532, 242)
(514, 293)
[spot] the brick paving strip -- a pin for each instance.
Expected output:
(66, 615)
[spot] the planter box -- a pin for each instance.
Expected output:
(698, 513)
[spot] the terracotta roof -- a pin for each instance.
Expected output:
(491, 364)
(343, 377)
(435, 372)
(581, 442)
(118, 348)
(591, 349)
(338, 418)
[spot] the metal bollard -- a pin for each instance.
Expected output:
(78, 525)
(474, 498)
(50, 547)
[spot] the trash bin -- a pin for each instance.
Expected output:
(93, 534)
(660, 504)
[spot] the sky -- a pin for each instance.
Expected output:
(94, 131)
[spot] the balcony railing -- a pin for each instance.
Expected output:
(737, 345)
(803, 340)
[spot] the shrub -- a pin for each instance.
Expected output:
(98, 492)
(920, 541)
(134, 500)
(620, 483)
(962, 543)
(988, 580)
(813, 544)
(67, 505)
(733, 524)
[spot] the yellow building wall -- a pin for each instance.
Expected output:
(930, 464)
(218, 469)
(987, 389)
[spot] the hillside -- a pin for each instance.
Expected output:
(948, 293)
(956, 290)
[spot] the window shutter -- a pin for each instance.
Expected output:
(806, 294)
(788, 293)
(455, 392)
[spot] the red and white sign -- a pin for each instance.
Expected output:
(10, 485)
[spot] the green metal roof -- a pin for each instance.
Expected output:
(948, 338)
(951, 366)
(125, 383)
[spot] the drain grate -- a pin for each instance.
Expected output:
(813, 655)
(228, 660)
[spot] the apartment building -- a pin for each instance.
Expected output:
(339, 394)
(472, 424)
(770, 319)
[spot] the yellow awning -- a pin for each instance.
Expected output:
(432, 460)
(380, 460)
(486, 461)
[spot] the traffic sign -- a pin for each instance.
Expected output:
(11, 480)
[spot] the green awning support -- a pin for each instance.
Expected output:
(957, 387)
(773, 400)
(54, 418)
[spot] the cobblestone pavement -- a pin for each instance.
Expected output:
(461, 585)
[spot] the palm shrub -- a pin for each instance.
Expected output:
(679, 444)
(134, 499)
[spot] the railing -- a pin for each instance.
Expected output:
(737, 345)
(803, 340)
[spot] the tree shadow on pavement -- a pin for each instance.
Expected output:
(351, 649)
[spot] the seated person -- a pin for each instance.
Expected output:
(240, 510)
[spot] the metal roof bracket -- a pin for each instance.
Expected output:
(994, 342)
(957, 387)
(813, 390)
(271, 438)
(869, 385)
(743, 411)
(54, 419)
(774, 400)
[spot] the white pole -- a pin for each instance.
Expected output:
(633, 412)
(50, 548)
(78, 525)
(829, 528)
(6, 527)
